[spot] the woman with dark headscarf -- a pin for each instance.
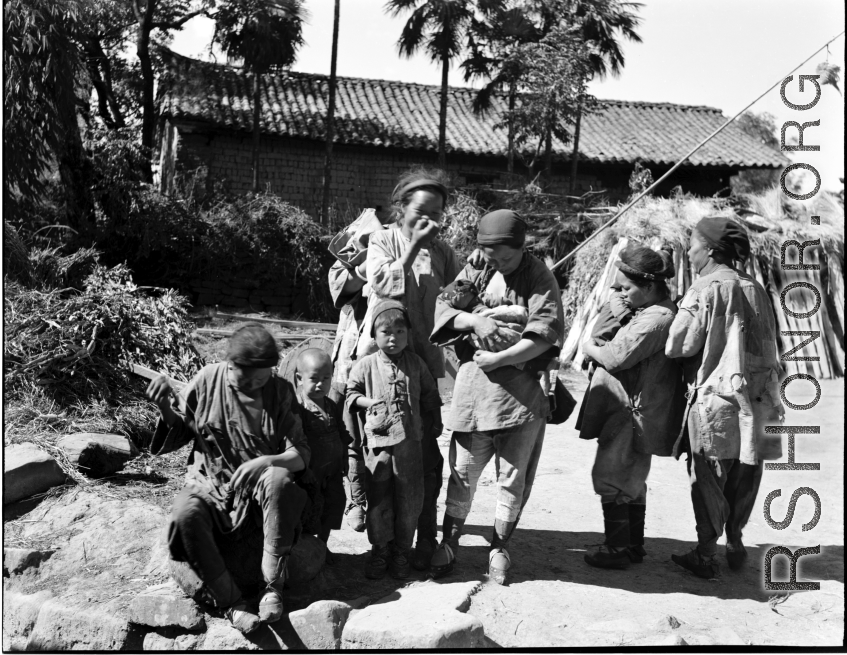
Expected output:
(412, 265)
(633, 405)
(726, 336)
(501, 397)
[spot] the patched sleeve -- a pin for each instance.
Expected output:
(643, 337)
(546, 316)
(355, 386)
(184, 430)
(385, 272)
(445, 312)
(690, 327)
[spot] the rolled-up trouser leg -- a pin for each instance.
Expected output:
(711, 509)
(191, 539)
(740, 491)
(433, 466)
(357, 474)
(282, 503)
(469, 454)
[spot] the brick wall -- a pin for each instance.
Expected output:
(293, 168)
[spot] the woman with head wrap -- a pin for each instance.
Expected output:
(726, 337)
(411, 264)
(634, 402)
(500, 400)
(248, 443)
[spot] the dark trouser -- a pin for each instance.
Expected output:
(327, 465)
(395, 492)
(433, 467)
(356, 470)
(723, 493)
(277, 502)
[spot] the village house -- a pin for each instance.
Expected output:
(384, 127)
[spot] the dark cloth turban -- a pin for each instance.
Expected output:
(501, 227)
(725, 235)
(252, 346)
(641, 262)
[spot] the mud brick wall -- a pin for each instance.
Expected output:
(293, 168)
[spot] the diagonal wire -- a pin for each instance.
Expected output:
(573, 252)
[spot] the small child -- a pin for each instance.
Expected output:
(402, 407)
(328, 439)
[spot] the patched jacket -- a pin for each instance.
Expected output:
(726, 334)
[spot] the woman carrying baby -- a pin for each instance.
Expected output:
(501, 396)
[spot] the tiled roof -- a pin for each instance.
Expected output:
(405, 115)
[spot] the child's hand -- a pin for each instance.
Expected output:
(476, 259)
(619, 306)
(159, 391)
(248, 474)
(363, 402)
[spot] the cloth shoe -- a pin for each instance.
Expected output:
(499, 564)
(356, 517)
(378, 563)
(423, 554)
(703, 567)
(614, 553)
(444, 557)
(241, 618)
(273, 570)
(398, 566)
(736, 554)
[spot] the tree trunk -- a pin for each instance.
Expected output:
(513, 94)
(148, 106)
(548, 147)
(257, 128)
(442, 117)
(575, 154)
(330, 118)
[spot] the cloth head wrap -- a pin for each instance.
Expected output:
(641, 262)
(252, 346)
(385, 305)
(400, 191)
(724, 235)
(501, 227)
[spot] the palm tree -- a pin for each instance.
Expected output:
(439, 26)
(264, 35)
(330, 116)
(601, 22)
(494, 44)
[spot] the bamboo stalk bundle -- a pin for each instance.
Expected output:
(771, 220)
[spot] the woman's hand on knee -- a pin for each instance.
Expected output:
(247, 475)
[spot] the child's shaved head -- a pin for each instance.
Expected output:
(313, 359)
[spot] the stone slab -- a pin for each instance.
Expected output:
(20, 612)
(65, 625)
(320, 625)
(429, 615)
(28, 470)
(166, 605)
(98, 455)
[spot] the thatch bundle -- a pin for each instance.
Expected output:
(771, 220)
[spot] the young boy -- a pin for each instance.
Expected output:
(248, 443)
(328, 438)
(402, 407)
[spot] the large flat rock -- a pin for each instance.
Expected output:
(166, 605)
(28, 470)
(429, 615)
(321, 624)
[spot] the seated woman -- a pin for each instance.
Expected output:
(248, 441)
(634, 404)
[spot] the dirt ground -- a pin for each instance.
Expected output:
(554, 599)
